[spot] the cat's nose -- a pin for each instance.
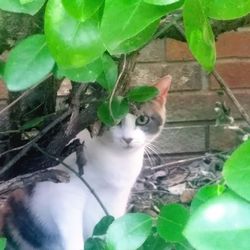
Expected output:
(127, 140)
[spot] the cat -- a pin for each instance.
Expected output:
(59, 216)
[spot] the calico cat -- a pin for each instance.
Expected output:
(59, 216)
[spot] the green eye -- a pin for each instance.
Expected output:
(142, 120)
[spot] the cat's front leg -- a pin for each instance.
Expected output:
(71, 231)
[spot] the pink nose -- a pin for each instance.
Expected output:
(127, 140)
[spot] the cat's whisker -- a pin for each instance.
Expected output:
(154, 150)
(148, 156)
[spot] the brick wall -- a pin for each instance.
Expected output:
(190, 126)
(190, 123)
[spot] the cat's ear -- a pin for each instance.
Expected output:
(163, 85)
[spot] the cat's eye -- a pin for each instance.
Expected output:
(142, 120)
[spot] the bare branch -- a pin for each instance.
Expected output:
(29, 145)
(230, 94)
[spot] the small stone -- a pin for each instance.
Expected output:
(178, 189)
(159, 175)
(187, 195)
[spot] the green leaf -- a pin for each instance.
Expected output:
(108, 77)
(2, 65)
(137, 41)
(222, 223)
(226, 9)
(155, 242)
(171, 222)
(162, 2)
(32, 123)
(94, 244)
(2, 243)
(119, 108)
(28, 63)
(26, 1)
(128, 19)
(18, 6)
(237, 170)
(199, 34)
(82, 9)
(87, 73)
(142, 93)
(129, 231)
(72, 43)
(103, 225)
(204, 194)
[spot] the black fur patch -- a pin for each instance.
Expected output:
(22, 226)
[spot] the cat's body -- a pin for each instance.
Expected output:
(58, 216)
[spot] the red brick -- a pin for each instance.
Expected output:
(199, 106)
(229, 45)
(233, 44)
(186, 76)
(236, 74)
(177, 51)
(3, 91)
(153, 52)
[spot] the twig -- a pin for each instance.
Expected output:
(92, 191)
(229, 92)
(29, 145)
(224, 86)
(116, 85)
(24, 94)
(75, 108)
(13, 149)
(165, 165)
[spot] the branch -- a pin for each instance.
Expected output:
(183, 161)
(116, 85)
(229, 92)
(30, 144)
(53, 175)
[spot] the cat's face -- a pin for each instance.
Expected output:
(138, 129)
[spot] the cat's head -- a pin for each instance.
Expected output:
(140, 128)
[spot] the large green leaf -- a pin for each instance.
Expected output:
(102, 226)
(204, 194)
(142, 93)
(2, 243)
(129, 232)
(226, 9)
(199, 34)
(119, 109)
(222, 223)
(95, 244)
(162, 2)
(155, 242)
(237, 171)
(85, 74)
(128, 19)
(82, 9)
(73, 43)
(171, 222)
(31, 7)
(108, 77)
(28, 63)
(138, 40)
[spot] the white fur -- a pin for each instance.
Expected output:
(111, 170)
